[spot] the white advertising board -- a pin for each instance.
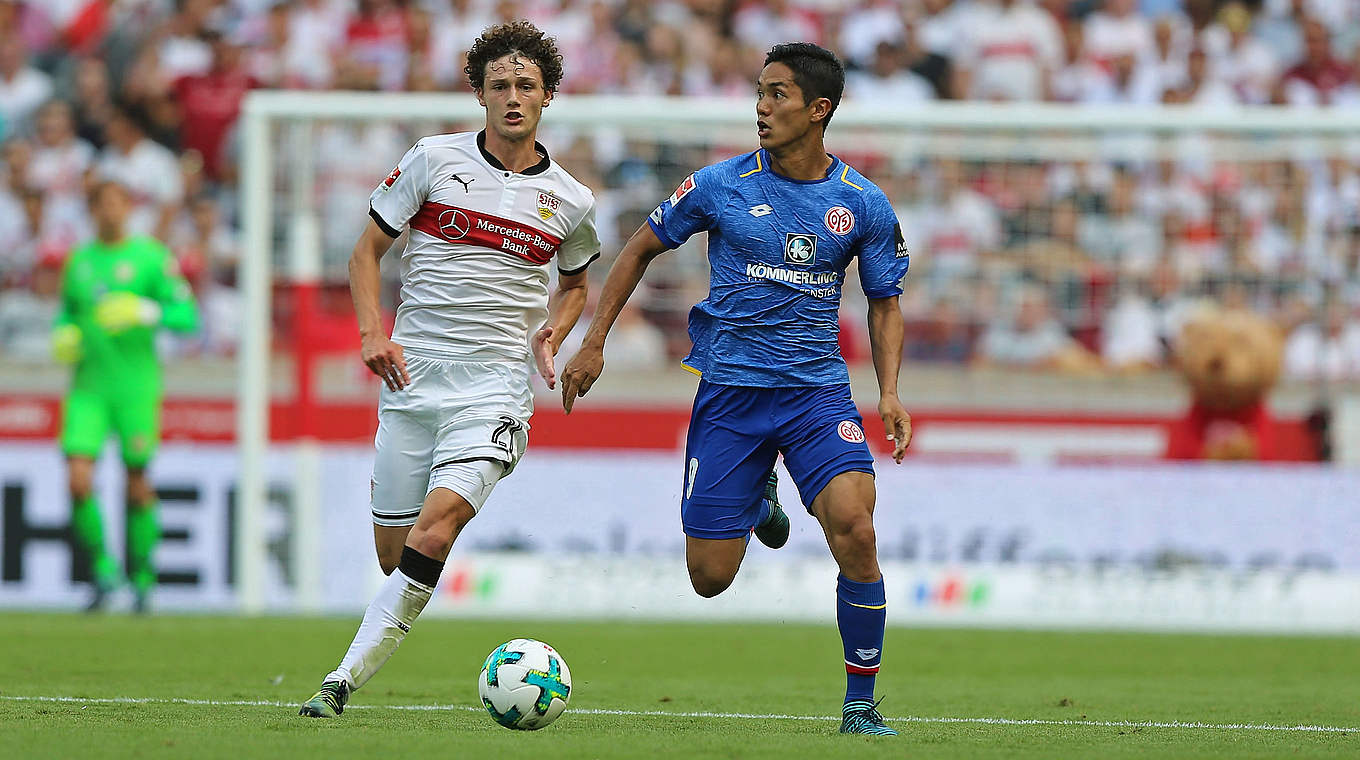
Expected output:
(598, 534)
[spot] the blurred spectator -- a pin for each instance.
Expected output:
(1123, 237)
(201, 242)
(641, 345)
(22, 87)
(962, 223)
(942, 337)
(888, 80)
(1199, 88)
(1009, 53)
(183, 51)
(762, 25)
(147, 169)
(1031, 338)
(316, 38)
(93, 101)
(1327, 351)
(1280, 27)
(27, 314)
(1118, 31)
(1076, 75)
(209, 104)
(60, 158)
(1243, 62)
(1130, 334)
(1320, 75)
(866, 25)
(31, 22)
(375, 45)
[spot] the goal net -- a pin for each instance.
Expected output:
(1111, 221)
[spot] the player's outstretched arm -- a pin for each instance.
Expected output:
(383, 357)
(585, 367)
(563, 311)
(885, 341)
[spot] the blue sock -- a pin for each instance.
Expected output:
(861, 614)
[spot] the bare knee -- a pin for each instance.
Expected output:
(139, 491)
(709, 584)
(388, 559)
(440, 522)
(856, 549)
(80, 478)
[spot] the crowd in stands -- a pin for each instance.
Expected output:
(1078, 265)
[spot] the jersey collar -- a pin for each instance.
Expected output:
(831, 170)
(538, 168)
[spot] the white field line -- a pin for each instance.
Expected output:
(718, 715)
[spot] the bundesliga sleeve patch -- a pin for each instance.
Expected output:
(391, 179)
(683, 190)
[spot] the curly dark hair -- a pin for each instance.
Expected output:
(515, 36)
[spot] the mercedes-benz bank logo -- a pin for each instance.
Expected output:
(454, 224)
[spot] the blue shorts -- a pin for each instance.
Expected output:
(735, 435)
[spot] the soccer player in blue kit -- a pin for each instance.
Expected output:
(783, 224)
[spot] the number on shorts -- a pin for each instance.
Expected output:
(504, 435)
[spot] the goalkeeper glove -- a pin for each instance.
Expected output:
(117, 312)
(66, 344)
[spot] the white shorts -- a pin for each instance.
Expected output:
(458, 425)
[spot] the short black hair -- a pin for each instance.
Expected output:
(816, 70)
(514, 37)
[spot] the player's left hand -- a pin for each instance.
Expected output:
(898, 424)
(581, 373)
(121, 310)
(543, 356)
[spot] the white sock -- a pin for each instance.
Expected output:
(388, 618)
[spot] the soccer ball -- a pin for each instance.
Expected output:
(524, 684)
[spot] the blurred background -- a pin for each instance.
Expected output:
(1054, 270)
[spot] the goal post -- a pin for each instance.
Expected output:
(284, 232)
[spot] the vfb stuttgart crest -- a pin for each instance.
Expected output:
(800, 249)
(548, 205)
(839, 220)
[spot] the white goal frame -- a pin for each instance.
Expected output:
(263, 110)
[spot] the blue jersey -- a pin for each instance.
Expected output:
(777, 250)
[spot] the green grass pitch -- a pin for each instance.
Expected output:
(1080, 688)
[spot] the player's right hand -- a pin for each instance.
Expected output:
(386, 360)
(581, 373)
(66, 344)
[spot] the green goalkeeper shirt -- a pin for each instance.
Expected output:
(125, 361)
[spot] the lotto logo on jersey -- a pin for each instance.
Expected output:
(839, 220)
(800, 249)
(391, 178)
(680, 192)
(850, 432)
(548, 205)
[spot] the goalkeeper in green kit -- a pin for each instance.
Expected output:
(117, 290)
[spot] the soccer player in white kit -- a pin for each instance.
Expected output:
(486, 213)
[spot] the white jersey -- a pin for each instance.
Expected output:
(474, 277)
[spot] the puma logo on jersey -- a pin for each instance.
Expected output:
(463, 182)
(761, 210)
